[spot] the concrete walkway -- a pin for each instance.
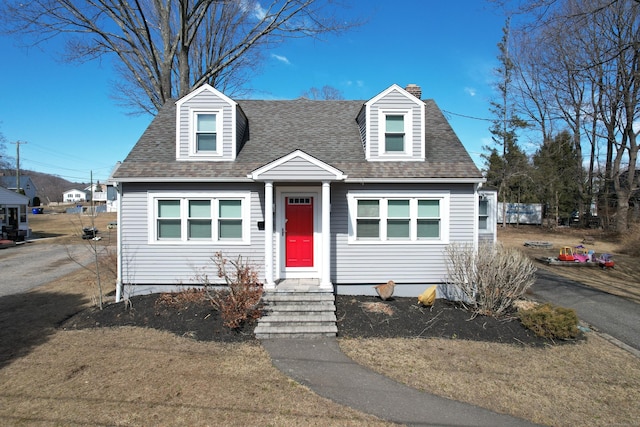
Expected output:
(321, 365)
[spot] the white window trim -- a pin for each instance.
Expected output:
(408, 131)
(152, 206)
(487, 215)
(443, 197)
(193, 148)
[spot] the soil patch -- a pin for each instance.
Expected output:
(369, 317)
(358, 317)
(193, 319)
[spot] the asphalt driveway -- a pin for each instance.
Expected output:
(30, 265)
(613, 315)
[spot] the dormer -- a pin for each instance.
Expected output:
(207, 124)
(392, 125)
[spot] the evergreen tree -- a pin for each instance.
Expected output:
(510, 174)
(557, 166)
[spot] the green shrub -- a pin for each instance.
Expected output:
(549, 321)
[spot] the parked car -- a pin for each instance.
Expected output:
(112, 225)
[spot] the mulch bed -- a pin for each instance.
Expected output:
(358, 317)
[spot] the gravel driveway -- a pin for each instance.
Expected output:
(30, 265)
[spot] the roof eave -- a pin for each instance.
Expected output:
(173, 179)
(416, 180)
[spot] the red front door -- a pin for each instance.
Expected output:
(299, 231)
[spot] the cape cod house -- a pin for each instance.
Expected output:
(334, 196)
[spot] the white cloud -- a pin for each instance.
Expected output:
(357, 83)
(281, 58)
(471, 91)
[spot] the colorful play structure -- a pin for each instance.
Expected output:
(580, 254)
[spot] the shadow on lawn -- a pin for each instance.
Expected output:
(28, 319)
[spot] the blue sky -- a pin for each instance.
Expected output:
(72, 126)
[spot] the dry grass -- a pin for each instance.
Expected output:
(623, 280)
(588, 384)
(139, 377)
(66, 228)
(134, 376)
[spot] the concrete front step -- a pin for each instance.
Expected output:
(303, 331)
(298, 318)
(297, 315)
(299, 307)
(301, 297)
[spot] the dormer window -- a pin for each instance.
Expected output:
(205, 129)
(206, 132)
(394, 133)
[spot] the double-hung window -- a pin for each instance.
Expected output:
(230, 219)
(419, 218)
(205, 132)
(398, 219)
(199, 218)
(483, 215)
(394, 133)
(368, 219)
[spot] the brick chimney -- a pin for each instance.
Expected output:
(414, 90)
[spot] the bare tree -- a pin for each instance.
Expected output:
(166, 48)
(585, 55)
(6, 161)
(326, 93)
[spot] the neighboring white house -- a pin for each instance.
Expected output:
(103, 193)
(74, 196)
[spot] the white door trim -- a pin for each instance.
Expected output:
(282, 272)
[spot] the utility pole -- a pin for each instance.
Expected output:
(18, 143)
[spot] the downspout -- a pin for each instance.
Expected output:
(119, 242)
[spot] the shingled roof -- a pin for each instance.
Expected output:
(326, 130)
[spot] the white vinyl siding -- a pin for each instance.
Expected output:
(200, 218)
(398, 218)
(404, 261)
(171, 263)
(196, 136)
(393, 127)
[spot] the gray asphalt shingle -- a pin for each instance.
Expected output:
(326, 130)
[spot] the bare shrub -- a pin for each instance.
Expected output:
(241, 299)
(630, 241)
(487, 281)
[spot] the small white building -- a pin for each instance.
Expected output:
(74, 196)
(13, 215)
